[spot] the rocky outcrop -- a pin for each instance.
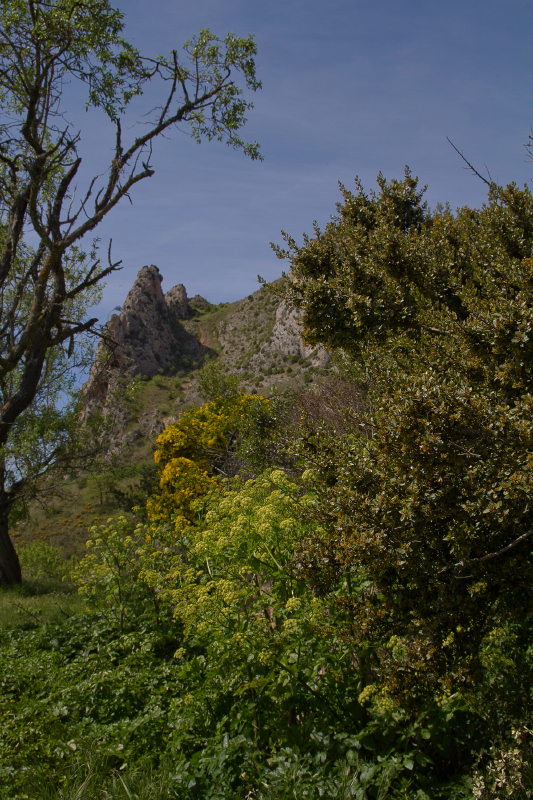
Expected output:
(287, 337)
(144, 332)
(177, 301)
(155, 332)
(144, 338)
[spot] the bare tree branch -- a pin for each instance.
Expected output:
(467, 561)
(470, 166)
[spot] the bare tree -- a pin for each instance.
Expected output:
(47, 281)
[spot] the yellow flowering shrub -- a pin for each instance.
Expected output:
(184, 453)
(200, 431)
(182, 482)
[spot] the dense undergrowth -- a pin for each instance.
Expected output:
(202, 667)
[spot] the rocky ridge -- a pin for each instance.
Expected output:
(156, 332)
(145, 337)
(157, 342)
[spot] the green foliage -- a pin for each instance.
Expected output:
(429, 495)
(132, 484)
(47, 595)
(92, 774)
(237, 595)
(274, 655)
(216, 383)
(67, 685)
(46, 439)
(87, 43)
(508, 772)
(361, 630)
(40, 560)
(84, 41)
(208, 669)
(264, 433)
(124, 571)
(220, 109)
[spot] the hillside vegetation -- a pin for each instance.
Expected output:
(323, 592)
(238, 336)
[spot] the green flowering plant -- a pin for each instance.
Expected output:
(260, 665)
(238, 599)
(123, 572)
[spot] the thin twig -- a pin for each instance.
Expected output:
(470, 166)
(26, 611)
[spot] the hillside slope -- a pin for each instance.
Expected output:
(156, 343)
(170, 336)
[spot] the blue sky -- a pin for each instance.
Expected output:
(349, 88)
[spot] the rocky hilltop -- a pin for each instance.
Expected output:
(147, 336)
(257, 338)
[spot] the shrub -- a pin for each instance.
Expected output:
(43, 562)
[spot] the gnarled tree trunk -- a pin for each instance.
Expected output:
(10, 572)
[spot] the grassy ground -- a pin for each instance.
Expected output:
(46, 595)
(91, 777)
(65, 522)
(38, 602)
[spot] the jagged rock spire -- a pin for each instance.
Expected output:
(145, 337)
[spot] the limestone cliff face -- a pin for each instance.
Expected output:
(287, 337)
(145, 337)
(144, 331)
(177, 300)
